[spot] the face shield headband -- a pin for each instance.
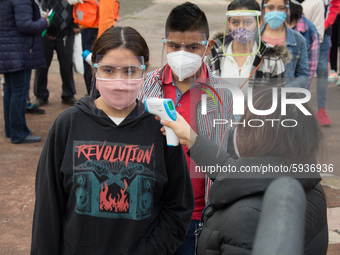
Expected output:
(243, 27)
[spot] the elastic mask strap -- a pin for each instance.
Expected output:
(206, 47)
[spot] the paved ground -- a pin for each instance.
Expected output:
(18, 162)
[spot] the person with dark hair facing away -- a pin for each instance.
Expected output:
(236, 196)
(307, 29)
(276, 32)
(241, 53)
(184, 79)
(107, 182)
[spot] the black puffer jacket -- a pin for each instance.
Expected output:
(232, 219)
(20, 36)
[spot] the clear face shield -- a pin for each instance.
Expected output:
(242, 33)
(184, 53)
(276, 12)
(116, 85)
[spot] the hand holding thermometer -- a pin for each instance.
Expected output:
(165, 109)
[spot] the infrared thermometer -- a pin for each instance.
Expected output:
(165, 109)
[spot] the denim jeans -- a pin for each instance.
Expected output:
(188, 246)
(322, 71)
(17, 85)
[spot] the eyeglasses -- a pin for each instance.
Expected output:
(189, 46)
(280, 8)
(109, 71)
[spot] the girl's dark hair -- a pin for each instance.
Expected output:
(187, 17)
(244, 4)
(121, 37)
(290, 144)
(296, 11)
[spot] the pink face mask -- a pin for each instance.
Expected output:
(119, 93)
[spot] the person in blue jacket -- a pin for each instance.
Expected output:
(21, 50)
(276, 32)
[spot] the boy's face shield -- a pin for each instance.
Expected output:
(194, 43)
(117, 82)
(243, 26)
(184, 53)
(190, 42)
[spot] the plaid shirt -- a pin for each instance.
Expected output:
(272, 66)
(310, 33)
(153, 87)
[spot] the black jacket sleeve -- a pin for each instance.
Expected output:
(178, 205)
(50, 198)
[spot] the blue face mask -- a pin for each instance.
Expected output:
(275, 18)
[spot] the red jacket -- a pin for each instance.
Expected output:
(333, 10)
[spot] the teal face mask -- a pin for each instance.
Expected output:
(275, 19)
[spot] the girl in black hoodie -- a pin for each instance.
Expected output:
(107, 183)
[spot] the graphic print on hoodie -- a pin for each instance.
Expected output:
(113, 180)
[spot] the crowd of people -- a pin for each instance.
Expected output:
(108, 183)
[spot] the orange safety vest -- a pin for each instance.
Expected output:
(109, 14)
(86, 14)
(101, 14)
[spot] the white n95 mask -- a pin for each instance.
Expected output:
(184, 64)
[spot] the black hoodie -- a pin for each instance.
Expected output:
(108, 189)
(235, 203)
